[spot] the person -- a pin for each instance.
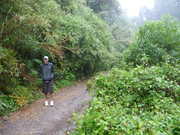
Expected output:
(47, 75)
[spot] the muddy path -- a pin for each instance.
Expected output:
(37, 119)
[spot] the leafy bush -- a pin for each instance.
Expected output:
(76, 40)
(86, 42)
(142, 100)
(155, 40)
(9, 70)
(138, 101)
(7, 105)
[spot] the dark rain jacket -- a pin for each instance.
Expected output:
(47, 71)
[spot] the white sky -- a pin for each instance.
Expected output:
(132, 7)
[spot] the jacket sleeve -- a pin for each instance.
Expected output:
(53, 68)
(53, 71)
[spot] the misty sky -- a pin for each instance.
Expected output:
(132, 7)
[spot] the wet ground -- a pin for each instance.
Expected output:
(37, 119)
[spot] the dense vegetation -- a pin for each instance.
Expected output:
(111, 12)
(142, 95)
(77, 41)
(139, 96)
(156, 42)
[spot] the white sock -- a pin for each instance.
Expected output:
(46, 103)
(52, 103)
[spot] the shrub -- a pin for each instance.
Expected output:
(7, 105)
(10, 70)
(138, 101)
(140, 81)
(155, 40)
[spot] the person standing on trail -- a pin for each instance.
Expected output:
(47, 75)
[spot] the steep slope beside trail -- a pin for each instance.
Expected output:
(37, 119)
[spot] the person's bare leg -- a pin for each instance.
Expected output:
(45, 94)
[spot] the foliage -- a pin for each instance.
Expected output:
(76, 40)
(7, 105)
(119, 25)
(86, 43)
(9, 69)
(141, 96)
(155, 41)
(139, 101)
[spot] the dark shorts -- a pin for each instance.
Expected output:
(47, 87)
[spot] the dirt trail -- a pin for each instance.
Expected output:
(37, 119)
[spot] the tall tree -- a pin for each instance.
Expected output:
(111, 12)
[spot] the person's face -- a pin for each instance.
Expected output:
(45, 61)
